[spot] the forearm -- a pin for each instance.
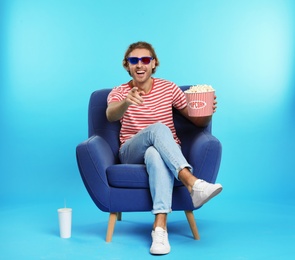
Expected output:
(116, 110)
(198, 121)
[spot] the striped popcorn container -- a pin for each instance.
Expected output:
(200, 103)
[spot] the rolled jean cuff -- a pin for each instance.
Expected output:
(184, 166)
(161, 211)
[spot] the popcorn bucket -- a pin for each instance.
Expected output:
(200, 104)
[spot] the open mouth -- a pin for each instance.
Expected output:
(140, 72)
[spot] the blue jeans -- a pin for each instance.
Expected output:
(156, 147)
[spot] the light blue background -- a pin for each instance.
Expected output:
(55, 53)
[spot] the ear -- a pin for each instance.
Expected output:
(153, 63)
(125, 66)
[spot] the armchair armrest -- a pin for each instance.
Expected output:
(94, 156)
(205, 156)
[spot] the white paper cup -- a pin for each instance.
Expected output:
(200, 104)
(65, 222)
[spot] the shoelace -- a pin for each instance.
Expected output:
(159, 236)
(200, 187)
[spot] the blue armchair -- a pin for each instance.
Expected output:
(116, 187)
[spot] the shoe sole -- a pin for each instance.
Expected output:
(160, 253)
(216, 192)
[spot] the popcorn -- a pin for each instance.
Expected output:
(199, 89)
(200, 100)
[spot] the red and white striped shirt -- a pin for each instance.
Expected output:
(157, 107)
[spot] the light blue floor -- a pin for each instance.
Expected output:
(229, 230)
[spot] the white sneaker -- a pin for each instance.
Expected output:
(160, 245)
(203, 191)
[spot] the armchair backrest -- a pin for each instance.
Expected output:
(97, 120)
(99, 125)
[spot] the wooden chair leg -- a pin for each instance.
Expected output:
(111, 226)
(192, 222)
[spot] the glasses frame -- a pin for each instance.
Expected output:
(135, 60)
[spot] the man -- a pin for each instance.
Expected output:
(144, 108)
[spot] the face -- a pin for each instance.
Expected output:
(141, 73)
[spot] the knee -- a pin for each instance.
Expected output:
(157, 132)
(151, 154)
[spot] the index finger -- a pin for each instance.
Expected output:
(134, 89)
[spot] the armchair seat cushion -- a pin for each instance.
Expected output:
(132, 176)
